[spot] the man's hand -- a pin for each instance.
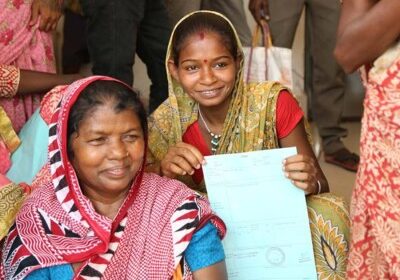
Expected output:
(48, 11)
(259, 9)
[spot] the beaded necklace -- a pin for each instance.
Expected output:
(214, 137)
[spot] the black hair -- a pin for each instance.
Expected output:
(99, 93)
(203, 22)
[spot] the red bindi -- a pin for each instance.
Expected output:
(205, 60)
(201, 35)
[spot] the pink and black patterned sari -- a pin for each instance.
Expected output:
(58, 224)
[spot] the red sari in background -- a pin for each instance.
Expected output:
(25, 47)
(375, 209)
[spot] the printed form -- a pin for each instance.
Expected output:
(266, 216)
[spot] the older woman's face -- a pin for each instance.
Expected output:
(108, 150)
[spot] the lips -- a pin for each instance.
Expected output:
(209, 93)
(116, 172)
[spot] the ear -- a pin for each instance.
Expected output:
(173, 69)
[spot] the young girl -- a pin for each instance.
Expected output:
(211, 111)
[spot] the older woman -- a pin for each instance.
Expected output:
(100, 215)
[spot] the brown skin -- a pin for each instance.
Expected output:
(39, 82)
(366, 29)
(302, 169)
(213, 272)
(259, 9)
(108, 150)
(48, 11)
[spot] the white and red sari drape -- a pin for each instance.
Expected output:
(57, 224)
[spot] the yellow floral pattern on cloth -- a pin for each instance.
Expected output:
(7, 133)
(250, 125)
(329, 224)
(11, 198)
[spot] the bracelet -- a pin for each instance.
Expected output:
(319, 187)
(9, 81)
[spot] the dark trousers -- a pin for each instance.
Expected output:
(117, 29)
(74, 50)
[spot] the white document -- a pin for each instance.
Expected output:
(266, 216)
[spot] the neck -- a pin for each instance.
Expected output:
(215, 117)
(107, 205)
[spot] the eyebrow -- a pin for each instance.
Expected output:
(217, 58)
(102, 132)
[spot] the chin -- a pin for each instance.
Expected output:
(118, 186)
(211, 102)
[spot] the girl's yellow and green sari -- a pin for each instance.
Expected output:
(249, 126)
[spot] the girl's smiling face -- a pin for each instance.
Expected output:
(206, 69)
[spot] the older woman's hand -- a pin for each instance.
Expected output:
(49, 12)
(181, 159)
(302, 171)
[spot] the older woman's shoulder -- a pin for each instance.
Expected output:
(165, 195)
(165, 185)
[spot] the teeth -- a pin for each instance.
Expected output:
(209, 91)
(117, 171)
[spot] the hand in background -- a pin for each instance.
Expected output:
(48, 12)
(259, 9)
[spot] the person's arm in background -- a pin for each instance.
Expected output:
(17, 81)
(259, 9)
(366, 29)
(34, 82)
(48, 11)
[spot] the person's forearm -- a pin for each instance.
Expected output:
(365, 31)
(35, 82)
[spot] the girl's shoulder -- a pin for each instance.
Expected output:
(270, 88)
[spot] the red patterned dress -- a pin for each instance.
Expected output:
(375, 209)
